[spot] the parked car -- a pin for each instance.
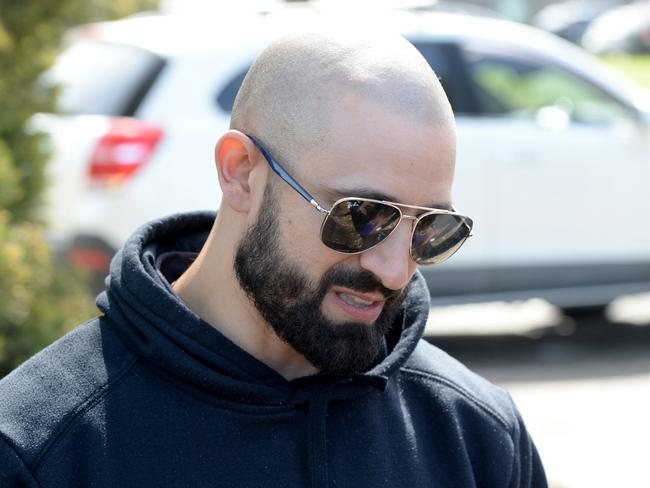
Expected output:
(621, 30)
(571, 18)
(553, 150)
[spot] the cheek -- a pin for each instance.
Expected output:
(299, 224)
(299, 233)
(300, 240)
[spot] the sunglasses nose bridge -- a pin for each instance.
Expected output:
(410, 217)
(414, 220)
(402, 217)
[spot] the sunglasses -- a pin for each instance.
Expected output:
(354, 225)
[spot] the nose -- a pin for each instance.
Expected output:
(391, 260)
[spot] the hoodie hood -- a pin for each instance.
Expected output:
(172, 339)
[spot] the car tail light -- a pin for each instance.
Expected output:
(123, 150)
(91, 259)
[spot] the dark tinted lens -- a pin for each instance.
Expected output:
(357, 225)
(438, 236)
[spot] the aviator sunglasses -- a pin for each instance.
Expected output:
(354, 225)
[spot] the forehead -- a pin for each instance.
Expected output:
(369, 151)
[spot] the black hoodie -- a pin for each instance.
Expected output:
(148, 394)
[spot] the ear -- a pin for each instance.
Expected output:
(235, 162)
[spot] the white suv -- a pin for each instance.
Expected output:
(553, 150)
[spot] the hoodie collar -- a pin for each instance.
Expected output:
(166, 334)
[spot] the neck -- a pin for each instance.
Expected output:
(211, 290)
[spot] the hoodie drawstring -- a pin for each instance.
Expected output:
(317, 436)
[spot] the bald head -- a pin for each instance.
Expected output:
(292, 94)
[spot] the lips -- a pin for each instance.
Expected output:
(354, 300)
(364, 307)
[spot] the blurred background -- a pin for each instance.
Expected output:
(111, 110)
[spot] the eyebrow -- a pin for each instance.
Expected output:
(362, 192)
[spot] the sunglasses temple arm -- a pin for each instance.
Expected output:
(282, 173)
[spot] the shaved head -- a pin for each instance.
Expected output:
(287, 97)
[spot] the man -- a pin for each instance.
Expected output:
(281, 345)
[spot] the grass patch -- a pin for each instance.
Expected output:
(635, 67)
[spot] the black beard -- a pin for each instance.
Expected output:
(291, 304)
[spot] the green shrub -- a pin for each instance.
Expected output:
(636, 67)
(40, 298)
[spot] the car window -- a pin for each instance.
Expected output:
(226, 97)
(103, 78)
(507, 84)
(444, 59)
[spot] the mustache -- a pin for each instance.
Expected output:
(362, 281)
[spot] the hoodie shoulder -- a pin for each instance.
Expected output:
(42, 397)
(485, 420)
(449, 379)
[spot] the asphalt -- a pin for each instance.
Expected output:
(582, 384)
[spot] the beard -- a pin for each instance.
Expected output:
(291, 303)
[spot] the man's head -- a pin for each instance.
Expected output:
(347, 116)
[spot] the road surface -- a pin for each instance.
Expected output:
(583, 388)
